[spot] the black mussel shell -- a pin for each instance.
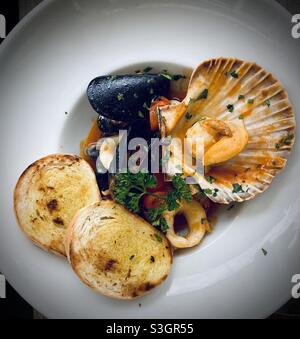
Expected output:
(110, 127)
(126, 97)
(140, 129)
(103, 181)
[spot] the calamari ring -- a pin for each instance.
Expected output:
(197, 224)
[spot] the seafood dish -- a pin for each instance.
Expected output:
(164, 152)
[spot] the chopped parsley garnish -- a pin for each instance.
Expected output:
(267, 103)
(146, 106)
(241, 97)
(241, 117)
(181, 190)
(286, 141)
(214, 192)
(237, 188)
(203, 95)
(130, 188)
(177, 77)
(120, 96)
(265, 253)
(208, 191)
(188, 116)
(203, 221)
(141, 114)
(250, 101)
(131, 257)
(210, 179)
(234, 74)
(230, 108)
(158, 238)
(166, 74)
(147, 69)
(154, 215)
(112, 77)
(163, 225)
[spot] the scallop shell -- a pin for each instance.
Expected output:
(257, 98)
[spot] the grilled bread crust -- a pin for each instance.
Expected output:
(116, 252)
(48, 195)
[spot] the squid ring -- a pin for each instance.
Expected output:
(197, 224)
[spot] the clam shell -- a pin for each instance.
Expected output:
(258, 98)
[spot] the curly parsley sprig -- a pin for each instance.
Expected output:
(130, 188)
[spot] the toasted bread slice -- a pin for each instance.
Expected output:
(116, 252)
(48, 195)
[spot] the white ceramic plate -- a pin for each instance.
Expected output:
(45, 66)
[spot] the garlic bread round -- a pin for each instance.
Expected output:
(116, 252)
(48, 195)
